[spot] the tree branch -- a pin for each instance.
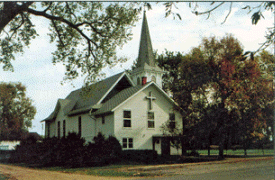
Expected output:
(228, 13)
(15, 29)
(10, 11)
(90, 24)
(52, 17)
(209, 11)
(67, 5)
(48, 7)
(58, 33)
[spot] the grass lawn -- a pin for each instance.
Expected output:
(120, 169)
(109, 170)
(239, 152)
(2, 177)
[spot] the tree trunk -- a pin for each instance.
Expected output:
(245, 152)
(183, 147)
(209, 143)
(221, 149)
(10, 10)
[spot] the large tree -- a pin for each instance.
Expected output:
(220, 90)
(16, 111)
(86, 34)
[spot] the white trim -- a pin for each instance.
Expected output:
(111, 88)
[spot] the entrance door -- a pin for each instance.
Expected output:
(165, 146)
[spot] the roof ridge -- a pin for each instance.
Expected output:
(98, 81)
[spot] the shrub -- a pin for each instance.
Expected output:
(143, 156)
(70, 151)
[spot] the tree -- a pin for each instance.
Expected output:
(237, 83)
(16, 111)
(217, 85)
(86, 34)
(183, 78)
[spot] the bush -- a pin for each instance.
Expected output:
(143, 156)
(194, 153)
(103, 151)
(70, 151)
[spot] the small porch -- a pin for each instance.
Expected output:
(163, 145)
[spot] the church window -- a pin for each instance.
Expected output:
(64, 128)
(79, 126)
(127, 143)
(151, 120)
(127, 119)
(103, 119)
(48, 129)
(138, 81)
(58, 129)
(153, 78)
(172, 120)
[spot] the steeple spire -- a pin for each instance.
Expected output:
(145, 47)
(146, 69)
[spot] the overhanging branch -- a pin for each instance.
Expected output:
(70, 24)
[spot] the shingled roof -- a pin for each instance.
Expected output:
(118, 99)
(75, 103)
(127, 94)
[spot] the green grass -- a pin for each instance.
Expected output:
(111, 170)
(240, 152)
(2, 177)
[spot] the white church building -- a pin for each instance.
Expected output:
(131, 107)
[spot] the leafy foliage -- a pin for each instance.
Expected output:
(221, 92)
(69, 151)
(86, 34)
(16, 111)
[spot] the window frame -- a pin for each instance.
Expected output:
(150, 120)
(103, 119)
(80, 126)
(127, 119)
(58, 130)
(47, 124)
(64, 128)
(128, 143)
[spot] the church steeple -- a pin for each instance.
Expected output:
(146, 69)
(145, 47)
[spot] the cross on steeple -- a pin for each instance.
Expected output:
(150, 98)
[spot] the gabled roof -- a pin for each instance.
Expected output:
(60, 102)
(118, 99)
(125, 95)
(76, 103)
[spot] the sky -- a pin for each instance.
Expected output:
(35, 70)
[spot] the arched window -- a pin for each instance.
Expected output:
(153, 78)
(138, 81)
